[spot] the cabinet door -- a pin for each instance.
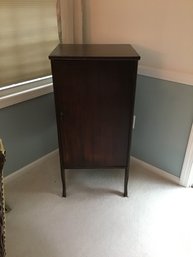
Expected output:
(94, 102)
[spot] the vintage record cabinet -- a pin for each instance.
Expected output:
(94, 90)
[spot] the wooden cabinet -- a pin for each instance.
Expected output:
(2, 202)
(94, 90)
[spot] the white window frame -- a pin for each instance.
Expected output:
(20, 92)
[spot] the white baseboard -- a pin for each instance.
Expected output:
(32, 165)
(156, 170)
(55, 153)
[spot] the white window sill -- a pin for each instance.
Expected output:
(25, 91)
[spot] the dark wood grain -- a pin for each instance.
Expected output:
(2, 204)
(89, 51)
(94, 88)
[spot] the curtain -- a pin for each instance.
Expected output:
(29, 33)
(70, 21)
(27, 36)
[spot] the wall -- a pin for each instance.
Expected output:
(164, 112)
(161, 31)
(28, 131)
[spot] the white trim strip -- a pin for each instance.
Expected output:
(55, 154)
(25, 83)
(32, 165)
(25, 95)
(157, 171)
(178, 77)
(187, 168)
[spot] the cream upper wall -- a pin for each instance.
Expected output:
(160, 30)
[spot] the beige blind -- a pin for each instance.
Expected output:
(28, 34)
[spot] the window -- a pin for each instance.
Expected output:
(28, 34)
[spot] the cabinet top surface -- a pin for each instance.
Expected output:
(90, 51)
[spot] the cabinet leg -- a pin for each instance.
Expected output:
(126, 181)
(63, 182)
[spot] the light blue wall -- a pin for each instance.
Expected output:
(28, 131)
(164, 113)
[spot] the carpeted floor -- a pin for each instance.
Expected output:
(156, 220)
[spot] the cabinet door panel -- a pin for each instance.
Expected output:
(94, 101)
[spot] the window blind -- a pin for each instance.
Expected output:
(28, 33)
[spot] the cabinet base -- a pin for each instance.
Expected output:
(125, 194)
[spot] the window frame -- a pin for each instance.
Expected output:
(20, 92)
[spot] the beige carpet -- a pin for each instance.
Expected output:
(156, 220)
